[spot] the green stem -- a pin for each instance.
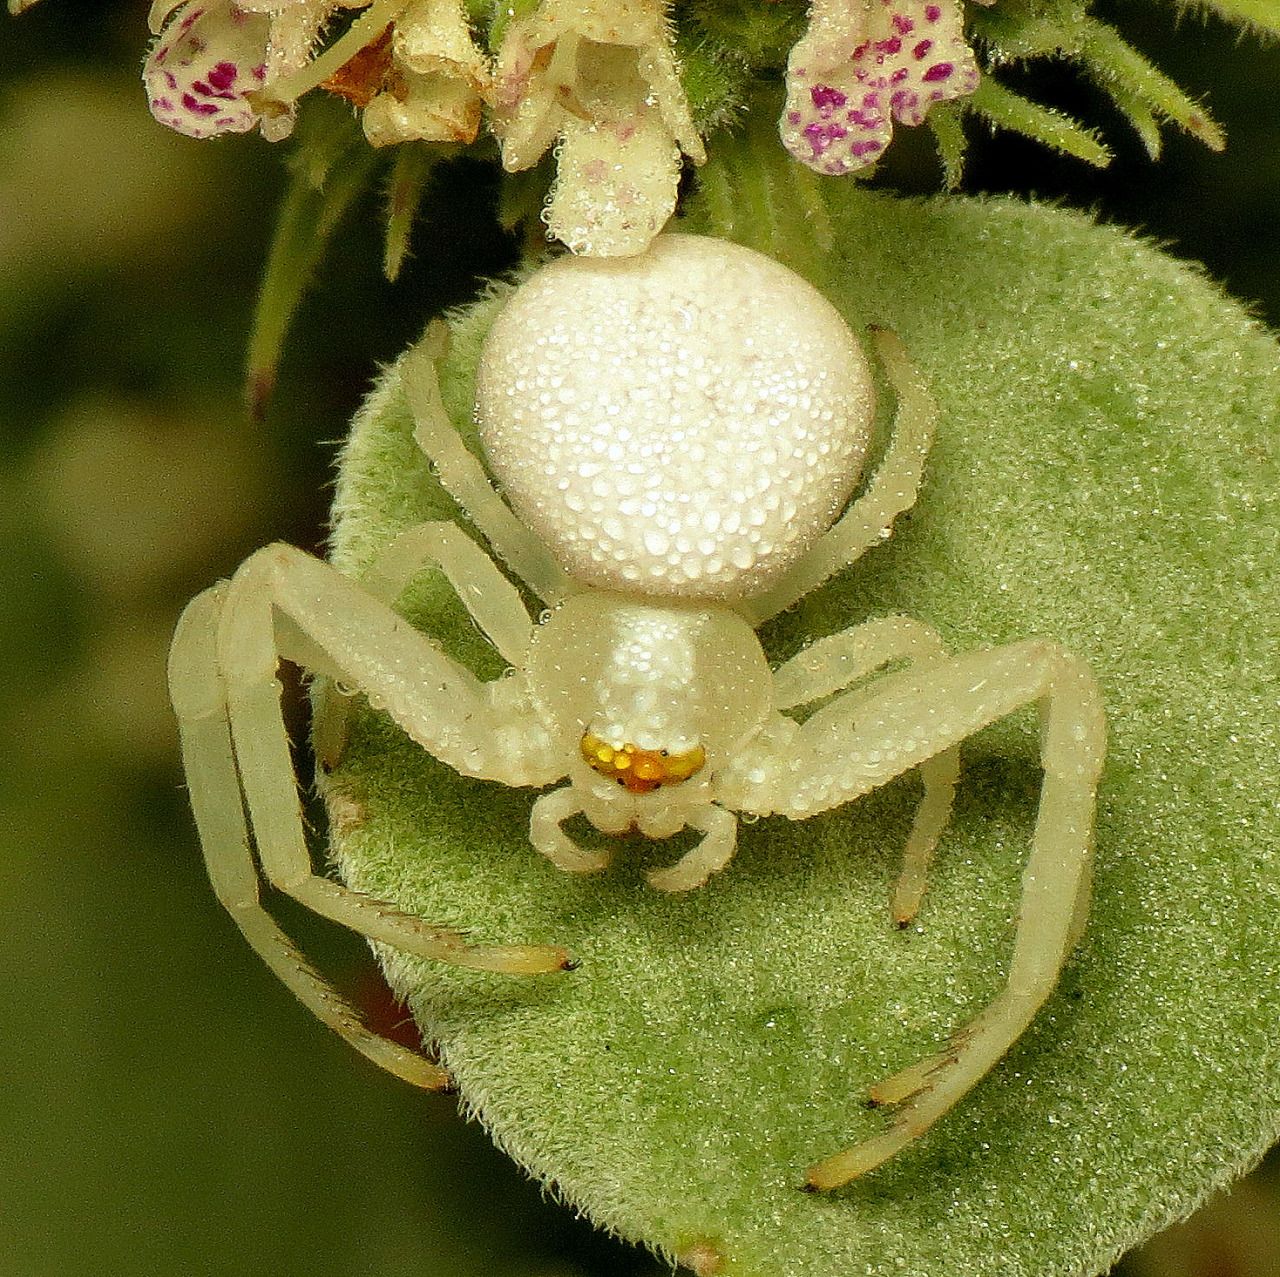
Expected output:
(751, 191)
(334, 169)
(411, 172)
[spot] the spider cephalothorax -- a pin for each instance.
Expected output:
(678, 437)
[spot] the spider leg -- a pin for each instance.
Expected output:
(214, 787)
(492, 601)
(464, 478)
(891, 491)
(837, 662)
(549, 812)
(852, 746)
(1084, 895)
(719, 839)
(940, 775)
(283, 603)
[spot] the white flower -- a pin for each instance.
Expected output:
(296, 27)
(434, 89)
(863, 63)
(601, 76)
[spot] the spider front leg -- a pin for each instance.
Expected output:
(492, 601)
(285, 604)
(832, 664)
(719, 829)
(891, 492)
(464, 478)
(714, 850)
(549, 813)
(860, 742)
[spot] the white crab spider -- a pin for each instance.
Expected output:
(680, 434)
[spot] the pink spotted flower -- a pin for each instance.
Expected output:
(207, 61)
(861, 65)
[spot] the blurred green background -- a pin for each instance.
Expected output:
(165, 1106)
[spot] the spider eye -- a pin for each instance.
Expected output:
(641, 770)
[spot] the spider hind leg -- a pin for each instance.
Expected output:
(857, 743)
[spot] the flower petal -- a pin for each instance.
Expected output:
(615, 185)
(537, 65)
(547, 59)
(860, 66)
(430, 108)
(601, 75)
(159, 14)
(433, 91)
(643, 26)
(434, 37)
(210, 56)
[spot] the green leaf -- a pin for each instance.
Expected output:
(1111, 61)
(715, 79)
(1021, 29)
(948, 133)
(750, 190)
(331, 168)
(1139, 114)
(1105, 473)
(1262, 16)
(1009, 110)
(411, 172)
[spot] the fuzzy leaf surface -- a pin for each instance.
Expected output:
(1105, 474)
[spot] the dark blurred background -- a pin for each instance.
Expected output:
(165, 1106)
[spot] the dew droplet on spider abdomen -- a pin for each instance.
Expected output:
(689, 420)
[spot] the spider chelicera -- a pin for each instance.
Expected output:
(678, 437)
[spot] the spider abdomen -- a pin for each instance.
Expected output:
(683, 423)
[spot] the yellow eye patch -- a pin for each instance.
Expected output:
(641, 770)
